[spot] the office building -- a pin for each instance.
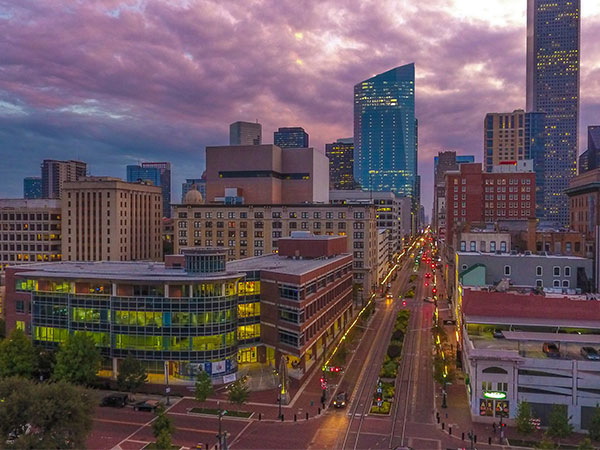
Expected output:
(393, 212)
(32, 187)
(245, 133)
(195, 311)
(590, 159)
(445, 162)
(159, 173)
(474, 196)
(341, 164)
(291, 137)
(553, 59)
(55, 173)
(385, 253)
(265, 174)
(107, 219)
(30, 231)
(254, 230)
(199, 183)
(385, 142)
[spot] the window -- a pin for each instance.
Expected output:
(567, 271)
(507, 270)
(503, 246)
(492, 246)
(539, 283)
(556, 283)
(472, 246)
(539, 271)
(565, 283)
(463, 246)
(556, 271)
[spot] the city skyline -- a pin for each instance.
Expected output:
(47, 110)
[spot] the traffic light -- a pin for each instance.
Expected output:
(403, 302)
(434, 290)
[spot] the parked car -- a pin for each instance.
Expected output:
(340, 400)
(428, 299)
(427, 275)
(551, 350)
(146, 405)
(115, 400)
(498, 334)
(590, 353)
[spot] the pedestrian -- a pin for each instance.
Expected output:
(494, 427)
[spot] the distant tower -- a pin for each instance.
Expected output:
(160, 175)
(245, 133)
(55, 173)
(291, 137)
(341, 164)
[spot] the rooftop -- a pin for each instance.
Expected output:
(29, 203)
(521, 255)
(282, 264)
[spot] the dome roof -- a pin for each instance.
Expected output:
(193, 197)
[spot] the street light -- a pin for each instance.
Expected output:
(222, 436)
(279, 398)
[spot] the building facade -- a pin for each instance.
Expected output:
(264, 174)
(55, 173)
(291, 137)
(245, 133)
(590, 159)
(255, 230)
(30, 231)
(341, 164)
(32, 187)
(584, 198)
(553, 60)
(159, 173)
(107, 219)
(385, 127)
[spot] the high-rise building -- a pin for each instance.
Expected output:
(55, 173)
(553, 58)
(107, 219)
(32, 187)
(341, 164)
(291, 137)
(385, 142)
(159, 173)
(590, 159)
(245, 133)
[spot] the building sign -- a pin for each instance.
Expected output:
(495, 395)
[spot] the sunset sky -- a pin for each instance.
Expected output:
(117, 82)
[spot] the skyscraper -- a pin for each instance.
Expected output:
(200, 184)
(385, 143)
(341, 164)
(55, 173)
(32, 187)
(291, 137)
(245, 133)
(590, 159)
(159, 173)
(553, 57)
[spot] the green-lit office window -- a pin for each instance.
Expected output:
(26, 285)
(208, 290)
(88, 315)
(51, 334)
(249, 309)
(249, 331)
(60, 286)
(100, 338)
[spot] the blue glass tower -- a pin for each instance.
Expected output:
(385, 132)
(159, 173)
(32, 187)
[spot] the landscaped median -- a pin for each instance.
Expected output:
(385, 390)
(215, 412)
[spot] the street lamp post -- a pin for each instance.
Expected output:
(444, 395)
(279, 398)
(222, 436)
(501, 427)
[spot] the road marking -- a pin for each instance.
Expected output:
(240, 434)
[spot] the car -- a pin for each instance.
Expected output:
(146, 405)
(428, 275)
(590, 353)
(115, 400)
(389, 285)
(551, 350)
(428, 299)
(498, 334)
(340, 400)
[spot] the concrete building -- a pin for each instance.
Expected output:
(291, 137)
(484, 241)
(107, 219)
(245, 133)
(254, 230)
(159, 173)
(504, 372)
(341, 164)
(56, 173)
(195, 311)
(32, 187)
(584, 198)
(590, 159)
(266, 174)
(393, 211)
(385, 253)
(473, 196)
(30, 231)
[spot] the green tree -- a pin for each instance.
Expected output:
(16, 355)
(15, 403)
(586, 444)
(546, 444)
(594, 429)
(2, 329)
(77, 360)
(45, 360)
(204, 386)
(163, 428)
(239, 392)
(559, 423)
(523, 419)
(132, 375)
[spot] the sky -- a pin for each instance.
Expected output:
(116, 82)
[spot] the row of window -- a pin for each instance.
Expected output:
(261, 215)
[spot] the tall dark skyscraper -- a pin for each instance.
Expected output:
(291, 137)
(32, 187)
(385, 141)
(553, 57)
(590, 159)
(160, 175)
(55, 173)
(341, 164)
(245, 133)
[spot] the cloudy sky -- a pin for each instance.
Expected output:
(115, 82)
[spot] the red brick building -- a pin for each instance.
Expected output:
(474, 196)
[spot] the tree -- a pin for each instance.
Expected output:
(162, 428)
(77, 360)
(16, 355)
(132, 375)
(559, 423)
(238, 392)
(2, 329)
(523, 419)
(204, 386)
(586, 444)
(45, 360)
(546, 444)
(594, 429)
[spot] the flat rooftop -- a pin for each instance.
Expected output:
(522, 255)
(283, 264)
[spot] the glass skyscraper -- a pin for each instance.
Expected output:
(291, 137)
(553, 57)
(160, 175)
(385, 138)
(32, 187)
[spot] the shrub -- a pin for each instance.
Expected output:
(398, 335)
(394, 351)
